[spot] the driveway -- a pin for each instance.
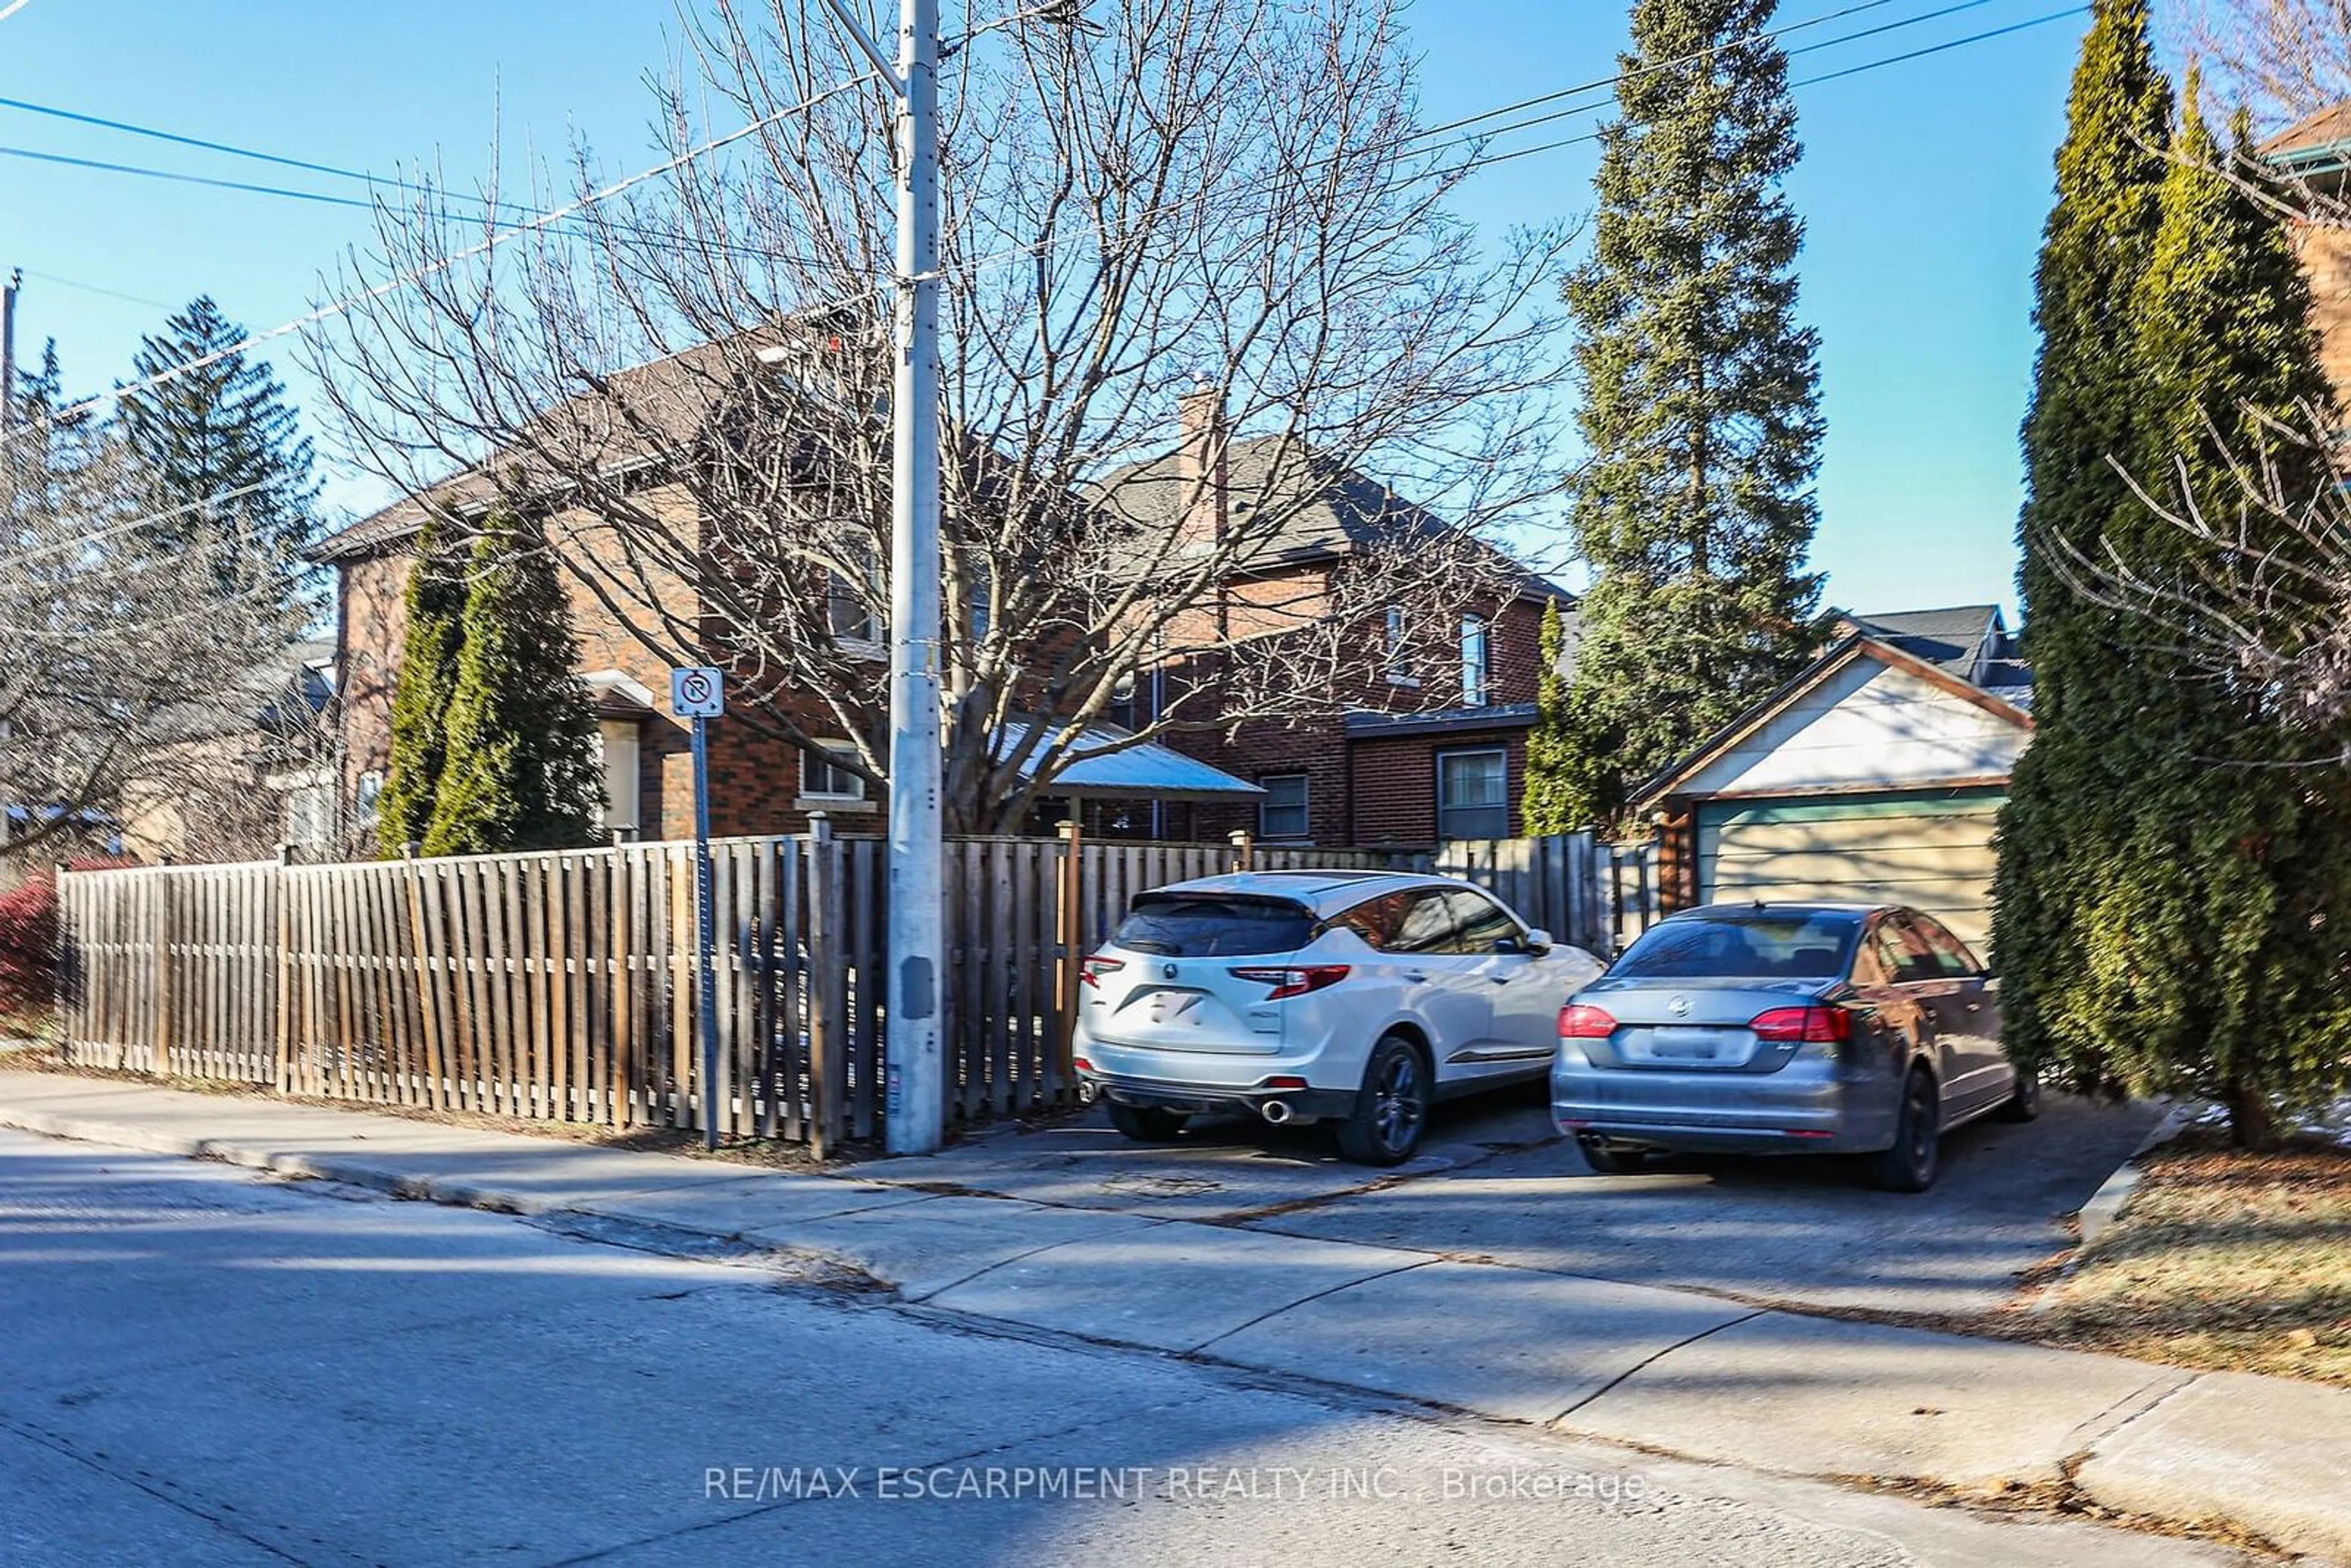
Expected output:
(1495, 1182)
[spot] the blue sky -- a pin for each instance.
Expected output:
(1924, 187)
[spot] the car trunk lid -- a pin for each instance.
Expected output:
(1694, 1025)
(1166, 981)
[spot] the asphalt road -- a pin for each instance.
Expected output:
(1495, 1181)
(204, 1366)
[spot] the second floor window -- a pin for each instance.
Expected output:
(1399, 659)
(1476, 681)
(848, 614)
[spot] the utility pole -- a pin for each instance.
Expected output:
(8, 351)
(917, 931)
(918, 1102)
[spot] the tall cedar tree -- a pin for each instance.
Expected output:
(223, 440)
(427, 683)
(2217, 934)
(1548, 808)
(1699, 405)
(2069, 794)
(521, 772)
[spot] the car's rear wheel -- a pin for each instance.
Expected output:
(1606, 1161)
(1392, 1109)
(2026, 1103)
(1146, 1124)
(1910, 1165)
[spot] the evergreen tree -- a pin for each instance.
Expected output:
(521, 770)
(1695, 511)
(2214, 933)
(1548, 807)
(221, 439)
(427, 683)
(2068, 796)
(46, 439)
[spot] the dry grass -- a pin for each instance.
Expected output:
(2223, 1261)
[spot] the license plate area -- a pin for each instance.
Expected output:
(1688, 1047)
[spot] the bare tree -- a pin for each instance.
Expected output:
(2285, 60)
(2263, 604)
(692, 380)
(115, 624)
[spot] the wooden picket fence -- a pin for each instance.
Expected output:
(1597, 896)
(563, 985)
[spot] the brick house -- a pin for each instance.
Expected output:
(1436, 746)
(1432, 747)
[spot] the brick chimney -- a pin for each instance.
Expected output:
(1200, 471)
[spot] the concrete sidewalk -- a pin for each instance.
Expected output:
(1671, 1370)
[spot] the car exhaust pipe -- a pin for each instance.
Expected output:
(1087, 1092)
(1276, 1111)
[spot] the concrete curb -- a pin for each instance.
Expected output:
(665, 1237)
(2127, 1456)
(2107, 1205)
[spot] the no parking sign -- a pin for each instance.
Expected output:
(696, 693)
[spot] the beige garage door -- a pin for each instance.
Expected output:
(1930, 848)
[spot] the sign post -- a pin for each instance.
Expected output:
(700, 695)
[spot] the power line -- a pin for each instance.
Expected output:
(323, 198)
(1826, 76)
(1488, 159)
(1612, 82)
(179, 139)
(489, 243)
(1483, 161)
(131, 525)
(1660, 67)
(94, 289)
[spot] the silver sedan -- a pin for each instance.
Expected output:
(1784, 1027)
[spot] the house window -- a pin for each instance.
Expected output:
(1399, 659)
(1474, 667)
(849, 614)
(623, 781)
(983, 600)
(367, 802)
(310, 812)
(1473, 794)
(1282, 813)
(821, 779)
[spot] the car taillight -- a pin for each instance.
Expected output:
(1294, 981)
(1092, 970)
(1804, 1026)
(1580, 1022)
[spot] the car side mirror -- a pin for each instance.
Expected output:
(1532, 943)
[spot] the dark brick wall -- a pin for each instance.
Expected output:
(1374, 791)
(1395, 782)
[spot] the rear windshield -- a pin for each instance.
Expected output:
(1212, 927)
(1785, 947)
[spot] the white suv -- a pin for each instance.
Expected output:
(1352, 997)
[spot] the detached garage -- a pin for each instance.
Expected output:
(1876, 775)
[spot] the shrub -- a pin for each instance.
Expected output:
(28, 940)
(29, 944)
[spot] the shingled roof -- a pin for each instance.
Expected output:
(669, 400)
(1969, 641)
(2314, 142)
(1329, 509)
